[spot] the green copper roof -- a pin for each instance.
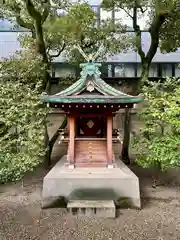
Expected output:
(89, 82)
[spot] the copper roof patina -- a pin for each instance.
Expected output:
(90, 88)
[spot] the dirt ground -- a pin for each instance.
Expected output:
(21, 216)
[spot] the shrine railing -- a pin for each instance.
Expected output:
(63, 137)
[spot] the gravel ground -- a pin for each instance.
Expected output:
(21, 217)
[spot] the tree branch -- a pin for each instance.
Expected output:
(36, 16)
(58, 53)
(86, 45)
(19, 19)
(138, 35)
(45, 13)
(143, 11)
(32, 11)
(154, 31)
(24, 24)
(21, 22)
(131, 16)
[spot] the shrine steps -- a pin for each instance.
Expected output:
(92, 153)
(88, 208)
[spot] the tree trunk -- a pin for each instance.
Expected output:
(49, 144)
(157, 181)
(144, 75)
(41, 49)
(46, 147)
(40, 45)
(126, 141)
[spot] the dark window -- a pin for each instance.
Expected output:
(177, 70)
(125, 70)
(166, 69)
(153, 70)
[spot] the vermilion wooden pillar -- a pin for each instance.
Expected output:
(109, 139)
(71, 121)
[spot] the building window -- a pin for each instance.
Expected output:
(95, 9)
(166, 70)
(124, 70)
(64, 72)
(153, 70)
(104, 15)
(120, 16)
(52, 71)
(177, 70)
(125, 16)
(104, 70)
(143, 18)
(110, 70)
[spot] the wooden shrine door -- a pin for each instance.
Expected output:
(91, 126)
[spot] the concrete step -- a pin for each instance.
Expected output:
(91, 157)
(90, 144)
(89, 160)
(90, 147)
(90, 141)
(87, 151)
(98, 208)
(93, 149)
(90, 165)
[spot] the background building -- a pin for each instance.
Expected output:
(122, 65)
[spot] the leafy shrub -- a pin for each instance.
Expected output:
(158, 141)
(22, 115)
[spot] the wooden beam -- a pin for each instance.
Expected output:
(109, 139)
(71, 151)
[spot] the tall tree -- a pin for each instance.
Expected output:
(160, 13)
(53, 31)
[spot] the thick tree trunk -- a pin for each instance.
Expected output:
(144, 75)
(126, 141)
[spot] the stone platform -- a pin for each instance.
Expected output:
(117, 184)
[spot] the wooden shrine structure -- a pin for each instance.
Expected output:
(90, 104)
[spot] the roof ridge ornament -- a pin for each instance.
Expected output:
(91, 67)
(90, 57)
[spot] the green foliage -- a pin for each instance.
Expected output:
(80, 26)
(158, 142)
(169, 29)
(65, 82)
(162, 22)
(22, 115)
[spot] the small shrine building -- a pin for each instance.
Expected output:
(90, 105)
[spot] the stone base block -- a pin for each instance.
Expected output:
(92, 184)
(102, 209)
